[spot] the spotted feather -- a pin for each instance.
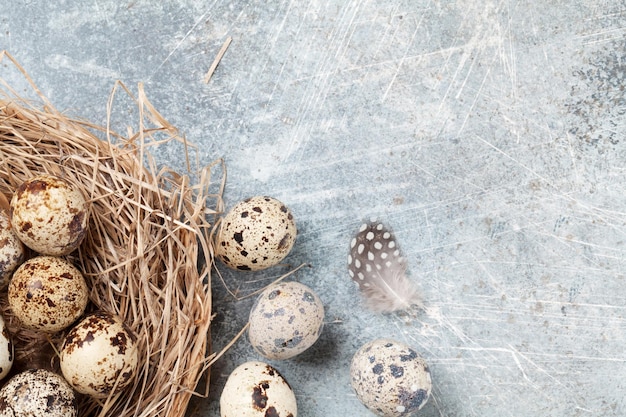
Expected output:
(377, 265)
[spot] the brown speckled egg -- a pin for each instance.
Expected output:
(99, 355)
(37, 393)
(256, 234)
(47, 293)
(285, 320)
(11, 249)
(256, 389)
(6, 349)
(390, 378)
(49, 214)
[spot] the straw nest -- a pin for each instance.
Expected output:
(148, 253)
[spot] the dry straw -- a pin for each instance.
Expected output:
(148, 254)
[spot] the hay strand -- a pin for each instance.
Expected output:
(217, 59)
(148, 253)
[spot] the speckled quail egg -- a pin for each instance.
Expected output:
(256, 389)
(37, 393)
(390, 378)
(285, 320)
(256, 234)
(6, 349)
(47, 293)
(99, 355)
(49, 214)
(11, 249)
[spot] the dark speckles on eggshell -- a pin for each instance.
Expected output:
(289, 343)
(390, 378)
(282, 323)
(37, 392)
(284, 242)
(412, 400)
(308, 297)
(257, 388)
(99, 355)
(273, 294)
(412, 355)
(252, 227)
(53, 290)
(271, 412)
(378, 368)
(50, 215)
(396, 371)
(259, 397)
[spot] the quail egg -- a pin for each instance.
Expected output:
(256, 234)
(49, 215)
(256, 389)
(37, 393)
(99, 355)
(285, 320)
(390, 378)
(6, 349)
(47, 293)
(11, 249)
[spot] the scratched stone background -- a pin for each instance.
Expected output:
(488, 134)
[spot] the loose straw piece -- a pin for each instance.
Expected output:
(217, 60)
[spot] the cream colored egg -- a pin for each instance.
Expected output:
(256, 234)
(390, 378)
(6, 349)
(37, 393)
(11, 249)
(285, 320)
(99, 355)
(47, 293)
(49, 215)
(256, 389)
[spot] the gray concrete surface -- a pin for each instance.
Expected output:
(488, 134)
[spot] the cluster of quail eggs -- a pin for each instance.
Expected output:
(286, 319)
(47, 218)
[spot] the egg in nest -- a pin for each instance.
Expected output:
(49, 215)
(47, 293)
(99, 355)
(11, 249)
(37, 393)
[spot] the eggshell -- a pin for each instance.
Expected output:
(99, 355)
(47, 293)
(6, 349)
(256, 389)
(11, 249)
(285, 320)
(37, 393)
(390, 378)
(49, 215)
(256, 234)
